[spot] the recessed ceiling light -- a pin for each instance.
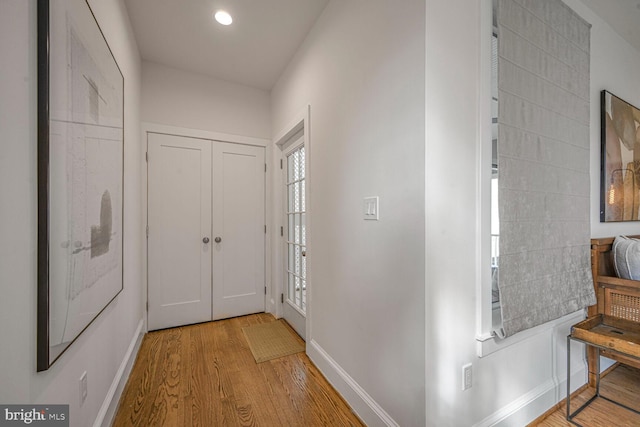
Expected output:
(223, 17)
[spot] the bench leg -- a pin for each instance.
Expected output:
(570, 415)
(569, 377)
(596, 363)
(597, 349)
(592, 362)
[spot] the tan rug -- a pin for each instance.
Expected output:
(271, 340)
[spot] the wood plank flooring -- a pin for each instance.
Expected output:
(621, 384)
(205, 375)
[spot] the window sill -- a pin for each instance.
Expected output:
(487, 343)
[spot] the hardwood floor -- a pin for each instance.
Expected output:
(205, 375)
(621, 384)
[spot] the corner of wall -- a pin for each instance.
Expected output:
(362, 404)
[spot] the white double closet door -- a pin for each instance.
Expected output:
(206, 237)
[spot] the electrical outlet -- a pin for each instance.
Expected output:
(467, 379)
(83, 387)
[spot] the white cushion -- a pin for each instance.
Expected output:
(626, 257)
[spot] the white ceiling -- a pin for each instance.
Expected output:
(265, 34)
(622, 15)
(253, 51)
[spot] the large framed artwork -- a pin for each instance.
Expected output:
(80, 175)
(620, 160)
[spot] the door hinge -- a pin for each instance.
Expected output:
(147, 231)
(146, 156)
(265, 167)
(280, 163)
(265, 229)
(147, 305)
(281, 231)
(265, 290)
(282, 298)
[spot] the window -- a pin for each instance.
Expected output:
(539, 178)
(296, 230)
(496, 311)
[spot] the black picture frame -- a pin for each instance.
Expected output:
(80, 182)
(619, 159)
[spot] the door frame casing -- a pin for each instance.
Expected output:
(147, 128)
(301, 121)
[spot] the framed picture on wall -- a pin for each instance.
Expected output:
(80, 175)
(620, 160)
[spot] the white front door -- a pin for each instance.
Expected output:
(206, 239)
(295, 235)
(179, 220)
(239, 230)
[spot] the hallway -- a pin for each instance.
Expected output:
(205, 375)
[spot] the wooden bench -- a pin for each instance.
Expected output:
(612, 328)
(615, 297)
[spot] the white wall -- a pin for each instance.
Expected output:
(614, 67)
(101, 348)
(514, 385)
(195, 101)
(361, 70)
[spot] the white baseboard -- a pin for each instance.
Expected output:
(108, 409)
(533, 404)
(363, 405)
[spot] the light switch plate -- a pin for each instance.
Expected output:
(371, 208)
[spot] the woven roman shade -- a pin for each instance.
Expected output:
(543, 162)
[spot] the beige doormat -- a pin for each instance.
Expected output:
(271, 340)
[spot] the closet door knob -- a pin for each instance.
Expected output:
(205, 240)
(218, 239)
